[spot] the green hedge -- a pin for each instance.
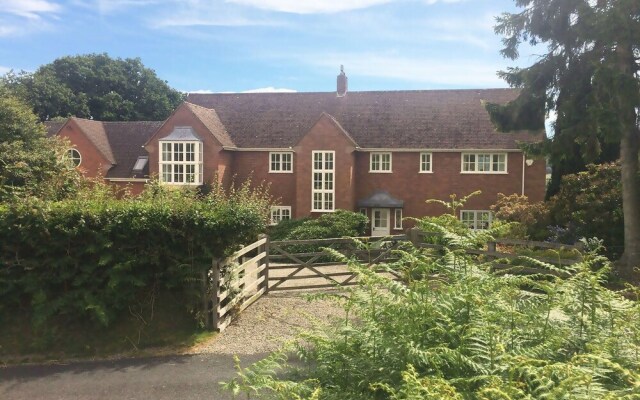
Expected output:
(87, 260)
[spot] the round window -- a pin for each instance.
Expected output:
(75, 157)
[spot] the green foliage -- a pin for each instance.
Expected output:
(454, 204)
(331, 225)
(30, 163)
(95, 86)
(589, 204)
(463, 333)
(585, 78)
(89, 258)
(284, 228)
(532, 219)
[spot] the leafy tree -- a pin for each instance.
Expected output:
(96, 86)
(30, 163)
(589, 77)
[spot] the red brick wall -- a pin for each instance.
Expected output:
(211, 147)
(254, 165)
(93, 163)
(408, 184)
(325, 135)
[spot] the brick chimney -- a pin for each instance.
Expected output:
(342, 83)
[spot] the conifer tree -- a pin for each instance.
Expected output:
(589, 77)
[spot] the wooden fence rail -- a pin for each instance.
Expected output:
(240, 279)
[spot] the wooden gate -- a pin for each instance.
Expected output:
(238, 281)
(306, 264)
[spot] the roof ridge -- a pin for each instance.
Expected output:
(349, 92)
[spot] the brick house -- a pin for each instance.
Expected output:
(381, 153)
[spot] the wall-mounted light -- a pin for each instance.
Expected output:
(529, 162)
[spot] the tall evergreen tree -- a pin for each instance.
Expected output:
(96, 86)
(589, 77)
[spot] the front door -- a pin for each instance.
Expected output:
(380, 222)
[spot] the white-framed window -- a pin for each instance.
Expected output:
(323, 181)
(181, 163)
(279, 213)
(281, 162)
(397, 223)
(484, 163)
(75, 157)
(476, 219)
(380, 162)
(363, 211)
(426, 163)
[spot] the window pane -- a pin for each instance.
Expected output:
(166, 151)
(178, 173)
(328, 162)
(286, 162)
(328, 181)
(166, 173)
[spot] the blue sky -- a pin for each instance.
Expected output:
(243, 45)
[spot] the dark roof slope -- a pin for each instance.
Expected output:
(210, 119)
(94, 130)
(53, 127)
(433, 119)
(127, 139)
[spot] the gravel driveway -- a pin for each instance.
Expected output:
(269, 322)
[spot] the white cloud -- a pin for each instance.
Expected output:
(30, 9)
(19, 17)
(310, 6)
(270, 89)
(112, 6)
(4, 70)
(321, 6)
(455, 73)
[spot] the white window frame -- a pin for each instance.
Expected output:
(174, 167)
(277, 159)
(71, 156)
(326, 192)
(397, 219)
(423, 162)
(279, 213)
(377, 163)
(475, 221)
(479, 164)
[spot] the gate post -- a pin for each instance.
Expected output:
(414, 236)
(265, 284)
(215, 267)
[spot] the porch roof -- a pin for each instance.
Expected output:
(381, 199)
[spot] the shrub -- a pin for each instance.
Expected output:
(88, 259)
(463, 333)
(589, 204)
(284, 228)
(533, 219)
(331, 225)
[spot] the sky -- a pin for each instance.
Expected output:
(270, 45)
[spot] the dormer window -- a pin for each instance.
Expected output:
(181, 158)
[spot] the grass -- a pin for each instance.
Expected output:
(165, 328)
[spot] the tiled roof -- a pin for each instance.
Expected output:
(127, 139)
(53, 127)
(430, 119)
(94, 130)
(210, 119)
